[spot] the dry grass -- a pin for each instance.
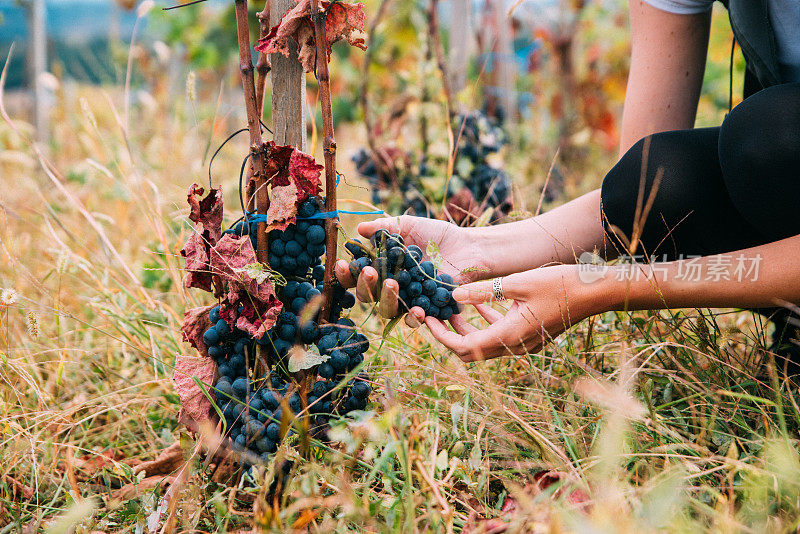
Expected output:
(655, 420)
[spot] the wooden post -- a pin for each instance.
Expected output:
(504, 62)
(38, 68)
(460, 43)
(288, 88)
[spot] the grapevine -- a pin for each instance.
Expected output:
(276, 347)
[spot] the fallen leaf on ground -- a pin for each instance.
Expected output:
(167, 462)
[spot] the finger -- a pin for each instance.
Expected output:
(488, 313)
(365, 286)
(474, 293)
(460, 325)
(493, 341)
(452, 340)
(387, 306)
(415, 317)
(342, 270)
(483, 291)
(392, 224)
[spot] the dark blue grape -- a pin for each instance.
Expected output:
(441, 297)
(273, 431)
(277, 247)
(215, 352)
(213, 314)
(293, 248)
(240, 387)
(423, 302)
(237, 362)
(414, 289)
(361, 390)
(226, 371)
(282, 347)
(295, 403)
(225, 388)
(211, 337)
(319, 388)
(339, 360)
(287, 332)
(325, 370)
(298, 304)
(306, 209)
(429, 287)
(316, 235)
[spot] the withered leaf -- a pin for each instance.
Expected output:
(195, 323)
(195, 406)
(343, 21)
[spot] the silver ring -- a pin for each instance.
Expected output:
(497, 289)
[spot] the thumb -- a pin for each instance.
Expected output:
(483, 291)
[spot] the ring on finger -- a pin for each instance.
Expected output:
(497, 289)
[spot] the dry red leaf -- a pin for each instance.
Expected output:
(206, 213)
(343, 21)
(234, 260)
(255, 317)
(295, 176)
(463, 207)
(305, 173)
(195, 323)
(195, 406)
(198, 273)
(283, 208)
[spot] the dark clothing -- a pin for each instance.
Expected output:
(721, 189)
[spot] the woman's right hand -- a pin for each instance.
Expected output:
(461, 258)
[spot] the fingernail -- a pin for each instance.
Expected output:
(460, 294)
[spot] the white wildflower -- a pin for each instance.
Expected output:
(8, 296)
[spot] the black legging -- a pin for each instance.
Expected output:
(721, 189)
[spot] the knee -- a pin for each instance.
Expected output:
(761, 133)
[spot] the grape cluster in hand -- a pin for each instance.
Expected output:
(419, 281)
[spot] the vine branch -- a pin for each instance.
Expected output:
(329, 148)
(253, 125)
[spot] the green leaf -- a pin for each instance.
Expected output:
(432, 251)
(301, 358)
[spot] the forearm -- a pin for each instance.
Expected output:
(558, 236)
(762, 276)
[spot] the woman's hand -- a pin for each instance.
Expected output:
(462, 258)
(546, 302)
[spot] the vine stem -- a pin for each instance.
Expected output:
(329, 148)
(263, 67)
(257, 147)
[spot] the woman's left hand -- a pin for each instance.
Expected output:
(546, 302)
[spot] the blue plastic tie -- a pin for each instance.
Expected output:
(257, 218)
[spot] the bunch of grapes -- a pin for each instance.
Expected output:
(259, 410)
(419, 282)
(480, 141)
(292, 252)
